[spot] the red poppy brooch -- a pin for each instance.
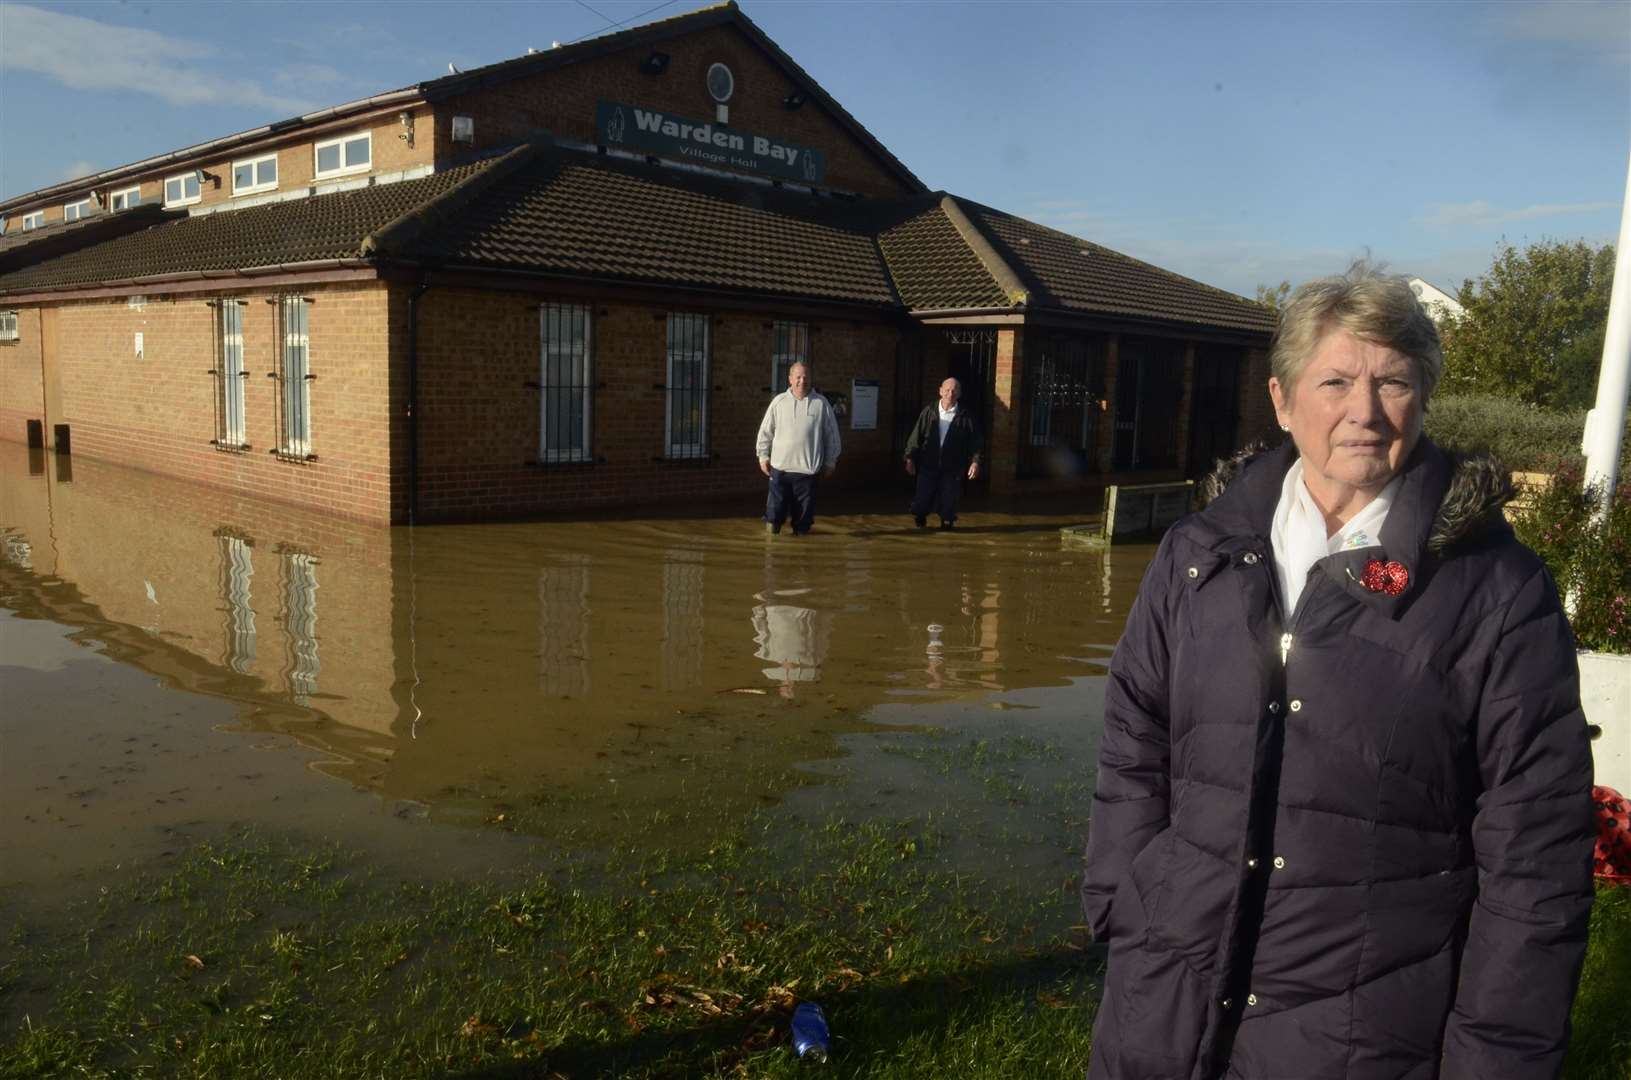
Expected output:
(1386, 577)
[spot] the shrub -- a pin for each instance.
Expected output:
(1525, 437)
(1593, 558)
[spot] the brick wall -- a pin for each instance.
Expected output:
(563, 102)
(479, 422)
(157, 412)
(22, 389)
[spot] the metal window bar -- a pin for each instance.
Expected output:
(230, 375)
(792, 346)
(1042, 397)
(686, 426)
(565, 399)
(294, 376)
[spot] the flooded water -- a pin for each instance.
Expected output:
(174, 659)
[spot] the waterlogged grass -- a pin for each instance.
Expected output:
(1601, 1046)
(259, 957)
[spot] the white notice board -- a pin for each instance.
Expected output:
(863, 405)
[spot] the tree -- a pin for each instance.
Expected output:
(1532, 326)
(1274, 298)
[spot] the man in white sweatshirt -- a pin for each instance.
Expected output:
(798, 444)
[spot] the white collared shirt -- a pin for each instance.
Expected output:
(1298, 532)
(945, 422)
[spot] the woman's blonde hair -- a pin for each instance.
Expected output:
(1366, 303)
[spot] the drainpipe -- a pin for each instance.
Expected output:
(413, 396)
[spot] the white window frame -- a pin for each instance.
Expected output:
(294, 367)
(319, 173)
(115, 198)
(698, 449)
(255, 186)
(8, 325)
(34, 220)
(231, 375)
(75, 210)
(185, 200)
(559, 338)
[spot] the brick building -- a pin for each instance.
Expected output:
(572, 280)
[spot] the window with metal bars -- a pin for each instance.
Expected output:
(792, 346)
(686, 427)
(294, 376)
(565, 398)
(230, 376)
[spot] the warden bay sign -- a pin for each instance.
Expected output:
(632, 127)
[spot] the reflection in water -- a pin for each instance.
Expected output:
(237, 572)
(794, 639)
(557, 655)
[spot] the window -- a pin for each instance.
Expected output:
(347, 154)
(294, 377)
(76, 210)
(34, 220)
(181, 190)
(792, 346)
(563, 379)
(255, 174)
(230, 375)
(686, 426)
(8, 326)
(124, 200)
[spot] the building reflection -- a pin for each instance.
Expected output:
(563, 628)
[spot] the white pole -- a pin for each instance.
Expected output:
(1606, 426)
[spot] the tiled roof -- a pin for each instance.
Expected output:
(933, 266)
(321, 227)
(24, 247)
(563, 213)
(1068, 272)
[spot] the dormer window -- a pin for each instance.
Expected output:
(344, 155)
(181, 190)
(254, 175)
(34, 220)
(125, 199)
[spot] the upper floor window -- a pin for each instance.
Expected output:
(255, 174)
(125, 199)
(34, 220)
(181, 190)
(8, 326)
(76, 210)
(346, 154)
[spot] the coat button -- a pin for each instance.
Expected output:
(1227, 1003)
(1194, 573)
(1251, 999)
(1274, 708)
(1250, 558)
(1279, 862)
(1251, 864)
(1296, 706)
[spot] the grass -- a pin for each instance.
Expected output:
(259, 957)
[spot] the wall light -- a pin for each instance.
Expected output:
(794, 100)
(655, 64)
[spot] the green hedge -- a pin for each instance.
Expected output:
(1591, 557)
(1526, 437)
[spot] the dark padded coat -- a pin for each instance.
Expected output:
(961, 447)
(1355, 843)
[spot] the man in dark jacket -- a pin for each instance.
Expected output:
(943, 448)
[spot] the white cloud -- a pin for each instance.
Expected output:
(1479, 212)
(78, 169)
(1596, 29)
(88, 55)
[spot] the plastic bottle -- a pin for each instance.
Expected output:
(810, 1037)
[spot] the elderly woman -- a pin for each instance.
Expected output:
(1343, 825)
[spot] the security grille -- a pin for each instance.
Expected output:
(294, 376)
(229, 375)
(565, 397)
(237, 576)
(792, 346)
(686, 429)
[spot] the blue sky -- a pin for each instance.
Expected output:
(1237, 143)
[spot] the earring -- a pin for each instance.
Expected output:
(1285, 427)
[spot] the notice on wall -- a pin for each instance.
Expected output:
(863, 405)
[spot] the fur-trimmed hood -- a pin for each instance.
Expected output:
(1480, 486)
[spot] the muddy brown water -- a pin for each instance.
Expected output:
(175, 660)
